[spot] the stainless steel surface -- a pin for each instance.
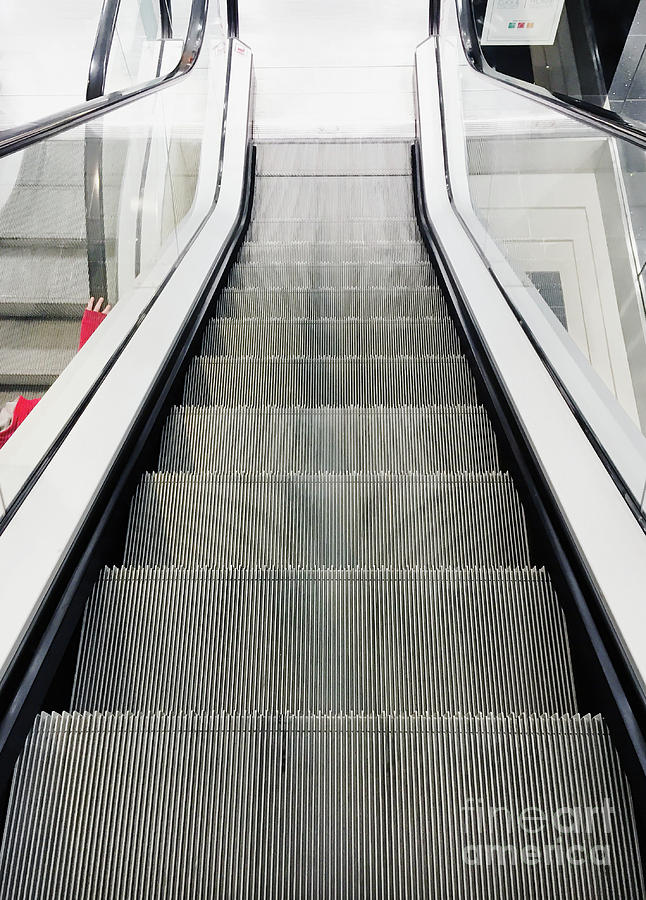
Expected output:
(194, 806)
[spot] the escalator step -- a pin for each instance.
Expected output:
(326, 520)
(310, 230)
(57, 285)
(360, 303)
(297, 276)
(330, 337)
(36, 352)
(338, 381)
(325, 197)
(321, 158)
(344, 641)
(404, 439)
(317, 253)
(195, 806)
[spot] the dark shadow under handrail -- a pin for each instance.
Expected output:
(588, 113)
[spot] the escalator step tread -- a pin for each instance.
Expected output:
(354, 302)
(194, 806)
(263, 337)
(354, 439)
(343, 229)
(326, 520)
(367, 641)
(295, 275)
(325, 158)
(332, 381)
(326, 197)
(36, 351)
(317, 253)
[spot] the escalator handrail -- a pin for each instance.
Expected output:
(233, 19)
(588, 113)
(14, 139)
(166, 19)
(104, 38)
(102, 48)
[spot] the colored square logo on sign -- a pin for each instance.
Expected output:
(511, 25)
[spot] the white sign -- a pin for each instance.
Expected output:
(521, 21)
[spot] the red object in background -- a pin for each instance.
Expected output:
(20, 413)
(89, 324)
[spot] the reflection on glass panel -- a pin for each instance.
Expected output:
(596, 54)
(552, 193)
(141, 49)
(103, 210)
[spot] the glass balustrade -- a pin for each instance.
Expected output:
(101, 210)
(558, 209)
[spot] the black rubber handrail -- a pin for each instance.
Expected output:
(14, 139)
(166, 18)
(233, 23)
(101, 50)
(588, 113)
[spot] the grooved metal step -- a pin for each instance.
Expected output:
(338, 381)
(358, 303)
(330, 337)
(320, 158)
(329, 198)
(56, 211)
(354, 439)
(326, 520)
(57, 282)
(190, 806)
(295, 276)
(362, 641)
(309, 230)
(36, 352)
(317, 253)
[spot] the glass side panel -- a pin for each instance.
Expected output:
(45, 51)
(555, 196)
(557, 208)
(588, 50)
(102, 209)
(139, 52)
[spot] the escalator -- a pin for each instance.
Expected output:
(327, 664)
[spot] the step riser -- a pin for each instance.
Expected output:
(357, 440)
(262, 338)
(326, 521)
(339, 382)
(217, 806)
(341, 642)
